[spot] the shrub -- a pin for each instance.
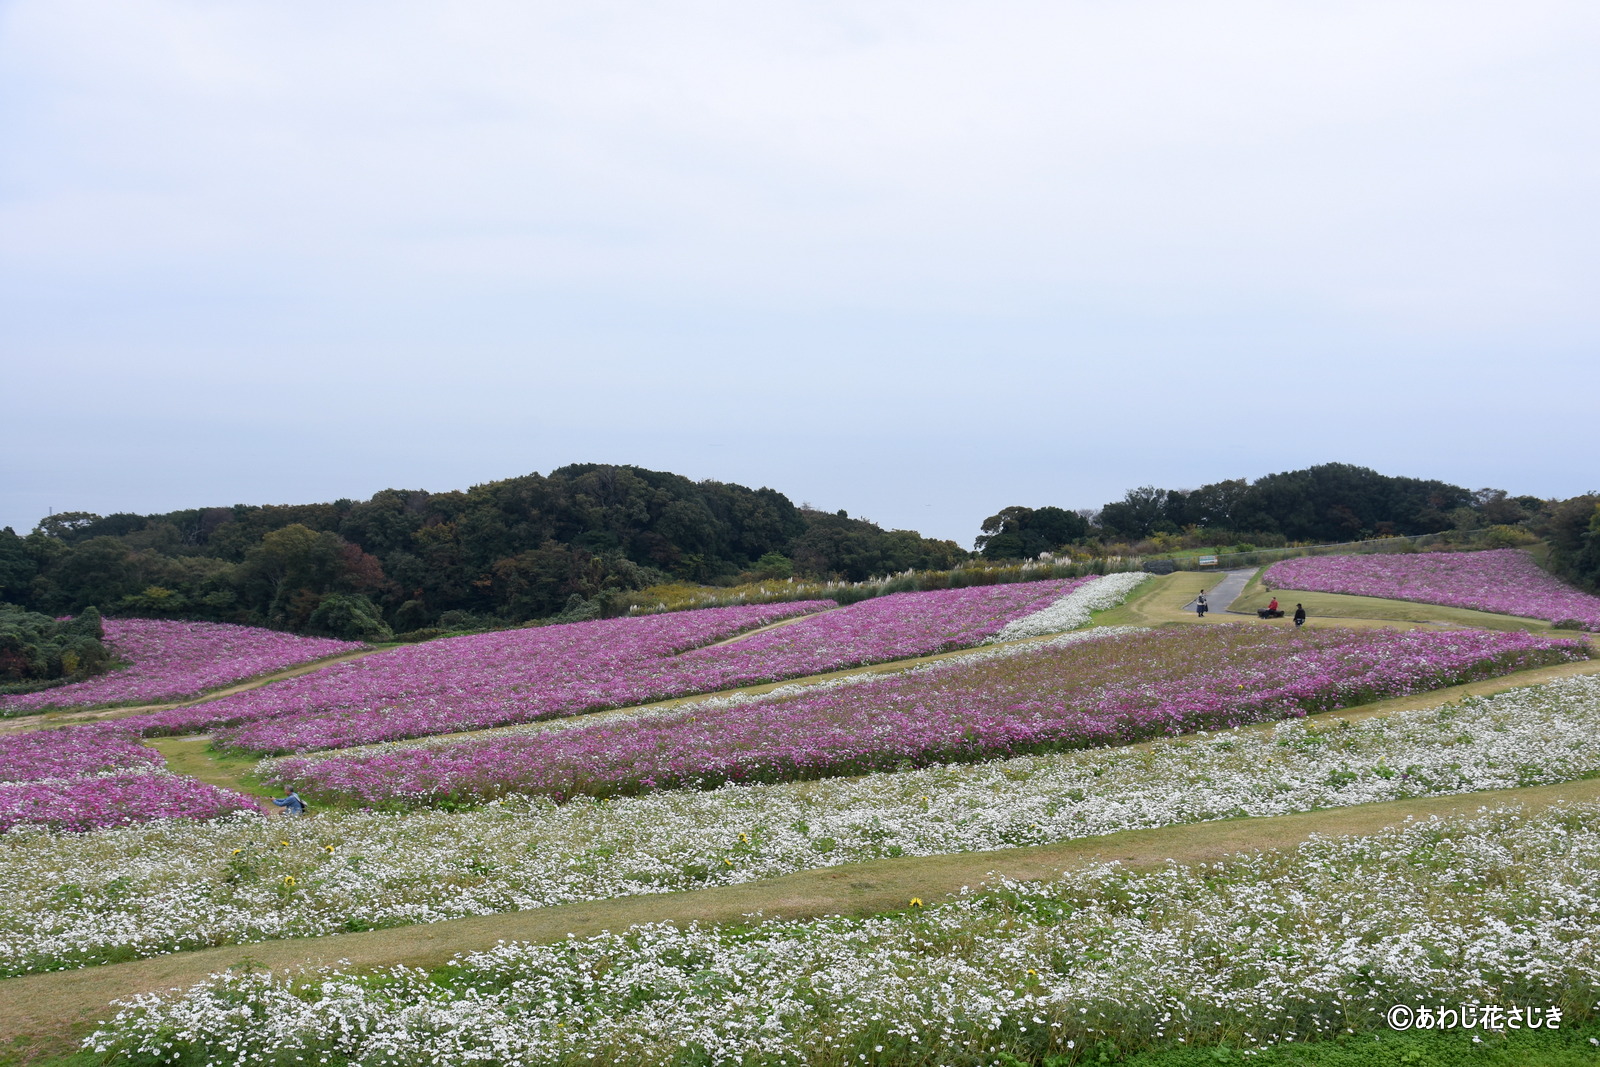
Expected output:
(349, 617)
(411, 637)
(1507, 537)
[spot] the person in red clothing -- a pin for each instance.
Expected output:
(1274, 605)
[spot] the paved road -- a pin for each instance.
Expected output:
(1229, 585)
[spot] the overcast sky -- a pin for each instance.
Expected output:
(916, 260)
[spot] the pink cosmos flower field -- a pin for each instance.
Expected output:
(178, 660)
(99, 775)
(95, 803)
(1505, 580)
(72, 751)
(487, 680)
(1093, 692)
(460, 683)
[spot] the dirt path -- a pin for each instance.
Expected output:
(46, 1013)
(57, 718)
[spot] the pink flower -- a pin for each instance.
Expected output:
(1095, 692)
(1505, 580)
(178, 660)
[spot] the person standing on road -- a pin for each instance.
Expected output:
(1299, 616)
(1200, 604)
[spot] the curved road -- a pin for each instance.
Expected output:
(1228, 587)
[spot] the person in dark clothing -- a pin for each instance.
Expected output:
(1200, 604)
(1299, 616)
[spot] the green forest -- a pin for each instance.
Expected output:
(573, 543)
(510, 551)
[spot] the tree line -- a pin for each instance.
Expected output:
(1329, 503)
(560, 545)
(572, 544)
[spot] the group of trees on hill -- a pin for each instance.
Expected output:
(1327, 503)
(1330, 503)
(509, 551)
(573, 543)
(36, 649)
(1573, 530)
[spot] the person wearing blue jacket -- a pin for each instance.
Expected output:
(291, 802)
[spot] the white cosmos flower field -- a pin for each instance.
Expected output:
(68, 900)
(1497, 910)
(1074, 609)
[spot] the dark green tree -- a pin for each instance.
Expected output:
(349, 617)
(1023, 533)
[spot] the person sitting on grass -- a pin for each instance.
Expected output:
(291, 802)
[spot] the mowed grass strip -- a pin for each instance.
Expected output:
(195, 757)
(44, 1015)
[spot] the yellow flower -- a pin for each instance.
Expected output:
(745, 838)
(916, 902)
(236, 851)
(285, 844)
(728, 862)
(328, 849)
(288, 880)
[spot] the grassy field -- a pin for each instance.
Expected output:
(195, 757)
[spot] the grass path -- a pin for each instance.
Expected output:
(46, 1014)
(736, 638)
(195, 757)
